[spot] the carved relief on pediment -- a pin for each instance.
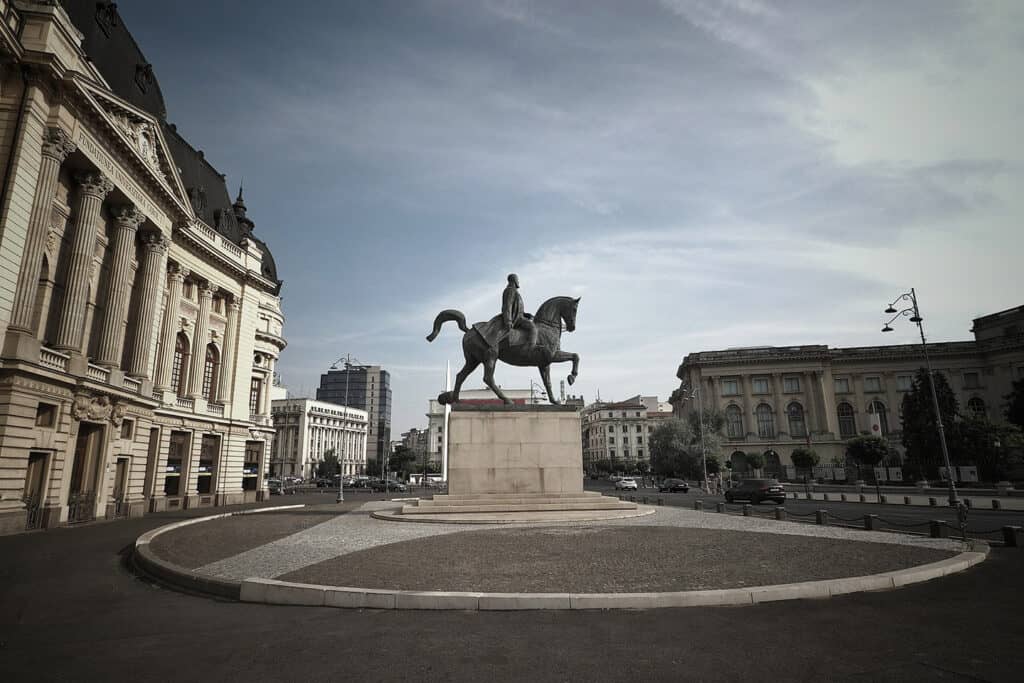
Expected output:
(98, 408)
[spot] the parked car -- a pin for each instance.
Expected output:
(674, 485)
(626, 483)
(275, 486)
(390, 485)
(756, 490)
(325, 482)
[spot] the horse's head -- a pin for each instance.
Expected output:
(569, 315)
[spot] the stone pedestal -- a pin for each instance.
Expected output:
(514, 464)
(534, 449)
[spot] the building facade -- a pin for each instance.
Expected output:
(140, 318)
(367, 387)
(775, 399)
(620, 431)
(307, 429)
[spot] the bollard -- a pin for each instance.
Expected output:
(720, 507)
(937, 528)
(698, 505)
(932, 502)
(863, 499)
(645, 500)
(821, 517)
(883, 499)
(842, 497)
(996, 505)
(780, 513)
(824, 497)
(661, 501)
(906, 500)
(1013, 536)
(967, 502)
(870, 522)
(747, 507)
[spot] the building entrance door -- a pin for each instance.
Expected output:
(85, 473)
(121, 487)
(35, 478)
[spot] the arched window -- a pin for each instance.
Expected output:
(734, 422)
(976, 407)
(847, 422)
(797, 425)
(179, 370)
(765, 421)
(878, 408)
(210, 372)
(739, 461)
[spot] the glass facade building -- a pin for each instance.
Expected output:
(369, 389)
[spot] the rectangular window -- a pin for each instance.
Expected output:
(639, 439)
(842, 385)
(127, 426)
(625, 440)
(254, 396)
(611, 439)
(611, 428)
(971, 380)
(639, 452)
(611, 454)
(872, 384)
(791, 385)
(904, 383)
(730, 387)
(760, 385)
(639, 428)
(46, 415)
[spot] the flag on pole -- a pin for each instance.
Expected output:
(447, 415)
(876, 424)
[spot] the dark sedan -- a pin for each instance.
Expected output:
(392, 485)
(756, 490)
(672, 485)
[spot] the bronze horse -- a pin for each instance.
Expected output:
(478, 348)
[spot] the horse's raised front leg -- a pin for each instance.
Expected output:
(489, 364)
(563, 356)
(545, 375)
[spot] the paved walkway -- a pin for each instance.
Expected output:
(357, 531)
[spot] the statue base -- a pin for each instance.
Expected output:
(513, 464)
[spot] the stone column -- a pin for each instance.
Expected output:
(271, 363)
(828, 402)
(56, 147)
(226, 385)
(781, 420)
(169, 330)
(814, 414)
(111, 345)
(199, 341)
(749, 418)
(154, 257)
(93, 186)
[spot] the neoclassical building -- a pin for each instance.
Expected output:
(307, 429)
(775, 399)
(140, 317)
(620, 431)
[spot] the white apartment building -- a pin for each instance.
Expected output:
(307, 429)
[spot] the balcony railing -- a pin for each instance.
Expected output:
(132, 384)
(53, 359)
(186, 403)
(97, 373)
(215, 409)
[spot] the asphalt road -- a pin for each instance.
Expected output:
(984, 524)
(71, 610)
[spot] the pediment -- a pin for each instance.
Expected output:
(140, 133)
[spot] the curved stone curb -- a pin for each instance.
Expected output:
(273, 592)
(541, 516)
(145, 560)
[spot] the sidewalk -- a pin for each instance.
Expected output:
(935, 499)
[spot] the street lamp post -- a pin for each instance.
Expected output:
(695, 395)
(914, 313)
(341, 461)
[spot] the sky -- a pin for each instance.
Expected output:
(703, 174)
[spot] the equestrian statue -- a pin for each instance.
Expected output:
(515, 337)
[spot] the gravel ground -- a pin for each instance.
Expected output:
(200, 544)
(606, 558)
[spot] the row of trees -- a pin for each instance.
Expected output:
(401, 464)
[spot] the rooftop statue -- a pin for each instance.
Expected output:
(515, 337)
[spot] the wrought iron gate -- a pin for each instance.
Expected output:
(81, 507)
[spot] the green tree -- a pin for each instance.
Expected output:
(401, 462)
(671, 446)
(867, 451)
(603, 466)
(755, 461)
(992, 447)
(1015, 404)
(714, 464)
(920, 430)
(805, 459)
(328, 467)
(642, 467)
(714, 431)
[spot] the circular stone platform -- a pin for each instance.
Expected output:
(671, 557)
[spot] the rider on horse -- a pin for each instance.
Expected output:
(513, 315)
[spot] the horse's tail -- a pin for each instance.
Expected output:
(446, 316)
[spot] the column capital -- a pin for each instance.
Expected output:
(128, 217)
(94, 183)
(154, 242)
(57, 144)
(206, 289)
(177, 272)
